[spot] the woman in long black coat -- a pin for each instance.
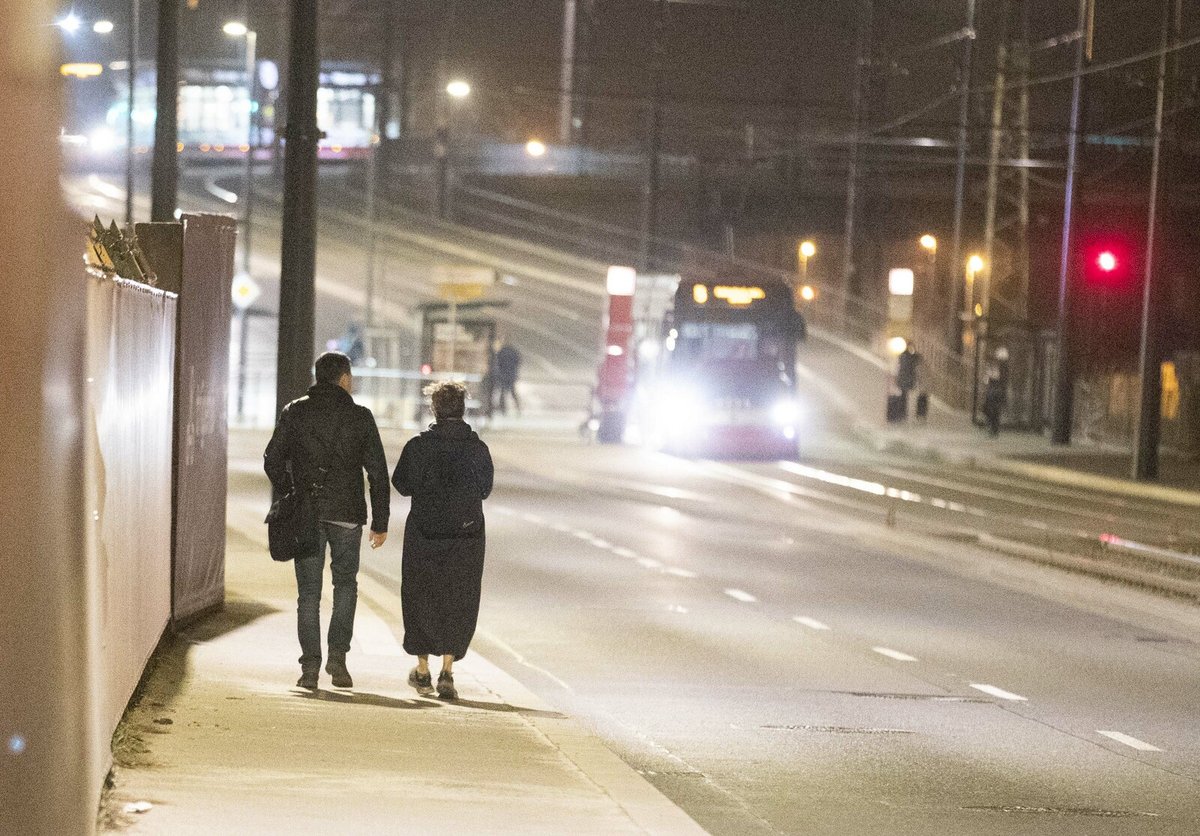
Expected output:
(447, 470)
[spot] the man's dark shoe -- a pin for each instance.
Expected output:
(446, 689)
(336, 668)
(423, 682)
(308, 679)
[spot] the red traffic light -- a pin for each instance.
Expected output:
(1107, 261)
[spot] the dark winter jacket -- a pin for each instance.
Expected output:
(419, 472)
(325, 439)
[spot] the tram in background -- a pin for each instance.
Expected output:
(701, 367)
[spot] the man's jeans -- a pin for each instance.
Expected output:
(344, 545)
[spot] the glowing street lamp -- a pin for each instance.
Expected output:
(69, 24)
(102, 27)
(929, 243)
(535, 148)
(806, 250)
(974, 266)
(458, 89)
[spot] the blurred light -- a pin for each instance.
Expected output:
(179, 147)
(81, 70)
(896, 345)
(103, 140)
(1107, 261)
(615, 351)
(621, 281)
(535, 148)
(16, 744)
(785, 413)
(69, 24)
(900, 281)
(458, 89)
(102, 27)
(808, 249)
(928, 242)
(699, 294)
(235, 28)
(738, 295)
(807, 293)
(426, 368)
(975, 263)
(978, 309)
(245, 291)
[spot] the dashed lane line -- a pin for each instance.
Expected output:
(810, 623)
(894, 654)
(741, 595)
(1132, 742)
(999, 693)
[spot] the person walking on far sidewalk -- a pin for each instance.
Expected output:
(447, 470)
(994, 397)
(907, 365)
(508, 364)
(322, 443)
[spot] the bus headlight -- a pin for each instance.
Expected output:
(784, 413)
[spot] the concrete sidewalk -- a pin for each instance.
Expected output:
(220, 741)
(856, 383)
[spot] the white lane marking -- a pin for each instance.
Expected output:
(561, 527)
(600, 544)
(521, 660)
(1132, 742)
(741, 595)
(894, 654)
(810, 623)
(680, 573)
(533, 518)
(998, 692)
(678, 609)
(621, 551)
(581, 534)
(649, 563)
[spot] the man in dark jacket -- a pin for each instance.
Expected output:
(508, 366)
(447, 470)
(322, 444)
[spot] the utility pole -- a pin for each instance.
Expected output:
(298, 262)
(567, 79)
(164, 169)
(862, 77)
(1064, 385)
(134, 13)
(993, 175)
(1021, 248)
(1149, 417)
(960, 177)
(652, 184)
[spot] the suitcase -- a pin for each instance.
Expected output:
(895, 409)
(922, 405)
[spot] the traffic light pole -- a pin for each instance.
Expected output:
(1064, 384)
(1149, 417)
(298, 262)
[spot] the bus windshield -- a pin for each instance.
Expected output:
(709, 341)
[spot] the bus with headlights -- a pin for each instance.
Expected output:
(711, 369)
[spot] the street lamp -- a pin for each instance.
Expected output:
(457, 89)
(535, 148)
(69, 24)
(807, 250)
(237, 29)
(102, 27)
(929, 243)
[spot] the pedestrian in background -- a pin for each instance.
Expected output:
(447, 470)
(508, 365)
(994, 396)
(322, 443)
(907, 366)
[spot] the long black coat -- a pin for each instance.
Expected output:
(441, 577)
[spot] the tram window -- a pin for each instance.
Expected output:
(718, 341)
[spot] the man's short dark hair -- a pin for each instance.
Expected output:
(330, 367)
(448, 399)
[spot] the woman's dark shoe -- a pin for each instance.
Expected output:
(423, 682)
(446, 689)
(336, 668)
(308, 679)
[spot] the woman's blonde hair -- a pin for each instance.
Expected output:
(448, 399)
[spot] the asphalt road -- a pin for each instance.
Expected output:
(777, 663)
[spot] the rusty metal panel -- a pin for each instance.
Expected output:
(201, 422)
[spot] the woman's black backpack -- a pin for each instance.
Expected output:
(449, 503)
